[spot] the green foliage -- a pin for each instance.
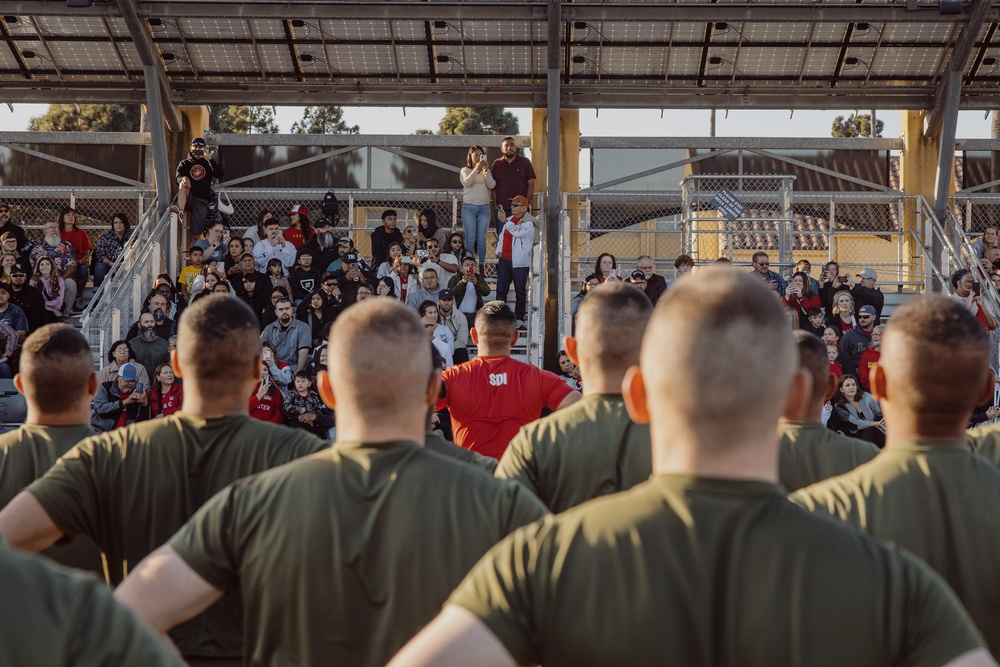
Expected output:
(423, 131)
(475, 120)
(243, 120)
(323, 120)
(87, 118)
(856, 126)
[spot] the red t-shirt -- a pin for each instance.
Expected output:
(123, 417)
(836, 369)
(491, 398)
(295, 236)
(506, 242)
(168, 403)
(79, 240)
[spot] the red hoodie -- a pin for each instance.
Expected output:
(869, 360)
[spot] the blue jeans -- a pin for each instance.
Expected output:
(506, 273)
(476, 222)
(100, 272)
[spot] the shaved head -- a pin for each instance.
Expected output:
(812, 357)
(218, 344)
(718, 358)
(378, 360)
(935, 358)
(56, 365)
(495, 323)
(610, 325)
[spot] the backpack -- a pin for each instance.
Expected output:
(331, 208)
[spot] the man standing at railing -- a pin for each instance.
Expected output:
(194, 177)
(965, 292)
(515, 177)
(866, 294)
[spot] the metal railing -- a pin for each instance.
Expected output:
(152, 250)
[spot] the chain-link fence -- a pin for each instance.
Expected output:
(117, 304)
(976, 211)
(32, 207)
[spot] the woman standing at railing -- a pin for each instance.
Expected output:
(110, 246)
(477, 181)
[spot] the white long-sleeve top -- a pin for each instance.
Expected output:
(263, 251)
(477, 186)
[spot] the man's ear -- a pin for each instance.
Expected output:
(175, 364)
(475, 335)
(433, 388)
(514, 339)
(569, 344)
(325, 389)
(987, 396)
(18, 383)
(831, 387)
(92, 385)
(634, 393)
(877, 380)
(799, 398)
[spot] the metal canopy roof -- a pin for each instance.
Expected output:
(618, 53)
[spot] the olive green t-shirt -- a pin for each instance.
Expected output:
(716, 573)
(985, 441)
(436, 443)
(589, 449)
(53, 617)
(810, 452)
(343, 556)
(132, 488)
(936, 499)
(26, 453)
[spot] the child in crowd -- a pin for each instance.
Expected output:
(265, 401)
(814, 322)
(832, 352)
(196, 256)
(304, 408)
(276, 272)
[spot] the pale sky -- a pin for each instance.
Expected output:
(605, 122)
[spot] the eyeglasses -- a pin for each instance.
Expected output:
(763, 263)
(329, 284)
(4, 210)
(432, 247)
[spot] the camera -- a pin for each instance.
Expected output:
(422, 254)
(406, 259)
(198, 153)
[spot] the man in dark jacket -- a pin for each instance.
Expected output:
(856, 341)
(383, 236)
(28, 298)
(865, 293)
(194, 178)
(118, 403)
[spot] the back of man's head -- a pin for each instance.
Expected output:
(495, 324)
(378, 360)
(610, 325)
(56, 366)
(718, 357)
(812, 358)
(934, 358)
(218, 341)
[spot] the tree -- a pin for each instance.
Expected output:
(323, 120)
(856, 126)
(243, 120)
(423, 131)
(87, 118)
(476, 120)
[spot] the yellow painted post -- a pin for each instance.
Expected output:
(917, 175)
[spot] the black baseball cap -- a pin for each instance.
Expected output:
(446, 294)
(350, 258)
(18, 268)
(638, 275)
(322, 222)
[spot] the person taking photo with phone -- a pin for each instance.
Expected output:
(969, 292)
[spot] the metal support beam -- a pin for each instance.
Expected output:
(553, 198)
(959, 57)
(157, 130)
(946, 151)
(731, 12)
(152, 65)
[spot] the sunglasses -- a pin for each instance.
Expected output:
(4, 210)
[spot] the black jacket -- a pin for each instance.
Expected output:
(381, 240)
(31, 302)
(200, 171)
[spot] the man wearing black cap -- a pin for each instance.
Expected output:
(638, 278)
(7, 225)
(856, 341)
(194, 178)
(322, 245)
(350, 276)
(455, 320)
(27, 298)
